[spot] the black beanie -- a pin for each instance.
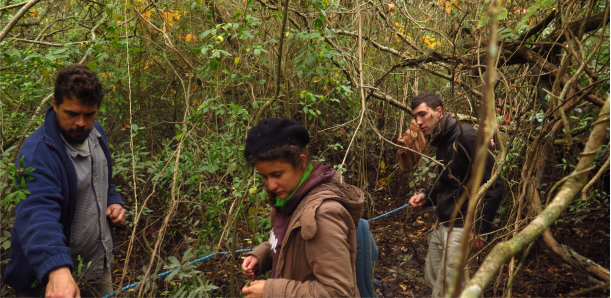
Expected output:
(272, 133)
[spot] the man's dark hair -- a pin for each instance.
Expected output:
(431, 100)
(78, 81)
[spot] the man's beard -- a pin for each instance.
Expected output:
(74, 139)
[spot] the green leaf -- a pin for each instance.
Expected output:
(21, 163)
(502, 15)
(20, 196)
(531, 10)
(28, 171)
(8, 198)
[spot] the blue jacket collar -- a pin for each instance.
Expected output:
(52, 134)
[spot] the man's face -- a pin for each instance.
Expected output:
(426, 117)
(75, 120)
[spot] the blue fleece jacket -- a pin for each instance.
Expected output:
(41, 233)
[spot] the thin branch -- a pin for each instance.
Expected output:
(13, 6)
(16, 18)
(278, 63)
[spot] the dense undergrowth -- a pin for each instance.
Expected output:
(185, 79)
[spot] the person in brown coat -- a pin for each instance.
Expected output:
(311, 250)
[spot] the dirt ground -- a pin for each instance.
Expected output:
(403, 250)
(402, 254)
(543, 274)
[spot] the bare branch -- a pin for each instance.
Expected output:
(13, 6)
(16, 18)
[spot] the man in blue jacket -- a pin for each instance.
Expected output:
(72, 203)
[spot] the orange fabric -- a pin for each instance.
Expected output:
(413, 138)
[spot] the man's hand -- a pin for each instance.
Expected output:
(116, 213)
(478, 242)
(417, 201)
(254, 290)
(250, 263)
(62, 285)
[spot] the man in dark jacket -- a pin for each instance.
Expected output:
(455, 144)
(72, 204)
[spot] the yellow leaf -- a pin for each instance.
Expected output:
(236, 60)
(221, 38)
(190, 37)
(383, 167)
(448, 7)
(382, 181)
(147, 14)
(397, 24)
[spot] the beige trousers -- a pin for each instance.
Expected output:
(98, 287)
(439, 272)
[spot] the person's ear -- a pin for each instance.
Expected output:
(439, 111)
(55, 106)
(304, 161)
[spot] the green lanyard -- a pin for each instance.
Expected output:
(306, 174)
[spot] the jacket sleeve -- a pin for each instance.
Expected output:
(263, 253)
(431, 195)
(113, 196)
(328, 254)
(37, 220)
(491, 201)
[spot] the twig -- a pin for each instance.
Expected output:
(361, 89)
(588, 290)
(278, 63)
(13, 6)
(584, 192)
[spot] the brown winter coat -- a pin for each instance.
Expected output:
(317, 257)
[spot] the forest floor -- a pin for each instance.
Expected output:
(403, 249)
(543, 274)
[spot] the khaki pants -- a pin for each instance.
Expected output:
(437, 276)
(97, 287)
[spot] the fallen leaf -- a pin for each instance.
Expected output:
(391, 8)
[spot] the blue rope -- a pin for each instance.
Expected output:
(170, 271)
(225, 253)
(389, 212)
